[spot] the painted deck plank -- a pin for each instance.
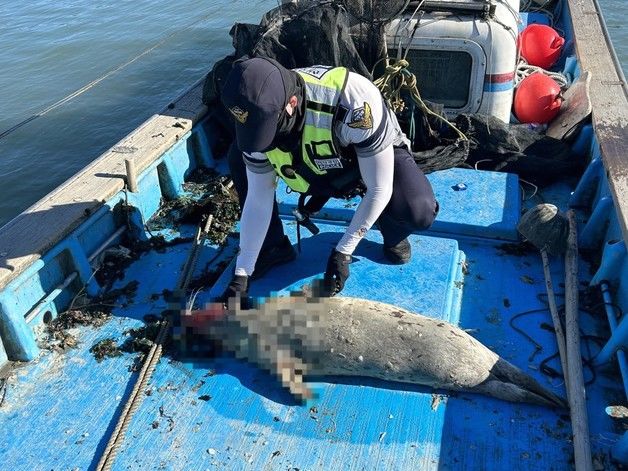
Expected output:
(430, 284)
(472, 202)
(69, 401)
(70, 398)
(497, 288)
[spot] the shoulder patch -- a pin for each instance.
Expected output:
(239, 114)
(316, 71)
(362, 118)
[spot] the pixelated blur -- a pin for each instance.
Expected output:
(282, 335)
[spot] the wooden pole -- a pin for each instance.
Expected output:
(558, 326)
(575, 385)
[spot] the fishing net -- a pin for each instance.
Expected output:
(369, 19)
(375, 11)
(517, 148)
(296, 35)
(350, 33)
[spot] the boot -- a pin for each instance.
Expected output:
(399, 254)
(281, 253)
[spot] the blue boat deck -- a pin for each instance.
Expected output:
(218, 413)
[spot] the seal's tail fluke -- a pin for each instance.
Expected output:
(511, 384)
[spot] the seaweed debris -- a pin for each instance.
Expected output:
(139, 340)
(519, 249)
(111, 264)
(209, 275)
(114, 261)
(106, 348)
(84, 311)
(207, 192)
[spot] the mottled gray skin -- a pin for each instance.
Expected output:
(297, 336)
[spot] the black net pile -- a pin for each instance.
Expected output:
(375, 11)
(299, 35)
(517, 148)
(351, 34)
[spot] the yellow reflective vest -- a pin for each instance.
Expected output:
(318, 167)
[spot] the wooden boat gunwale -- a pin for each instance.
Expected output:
(609, 96)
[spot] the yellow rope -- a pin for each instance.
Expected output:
(396, 78)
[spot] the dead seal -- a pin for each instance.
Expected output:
(299, 336)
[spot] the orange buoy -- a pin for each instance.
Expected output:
(537, 99)
(540, 45)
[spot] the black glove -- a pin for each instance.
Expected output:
(336, 273)
(239, 285)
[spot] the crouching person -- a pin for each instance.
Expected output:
(328, 133)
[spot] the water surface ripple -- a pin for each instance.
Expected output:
(51, 48)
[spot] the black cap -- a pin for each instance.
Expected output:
(255, 94)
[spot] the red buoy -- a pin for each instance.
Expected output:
(537, 99)
(540, 45)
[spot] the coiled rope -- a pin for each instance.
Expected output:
(397, 78)
(524, 70)
(150, 362)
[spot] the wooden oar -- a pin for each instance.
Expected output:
(551, 232)
(547, 230)
(577, 397)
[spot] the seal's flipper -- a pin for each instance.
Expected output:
(508, 382)
(290, 371)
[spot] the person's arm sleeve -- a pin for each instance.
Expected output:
(257, 162)
(255, 219)
(377, 172)
(368, 125)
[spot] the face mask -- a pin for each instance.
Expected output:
(288, 133)
(289, 127)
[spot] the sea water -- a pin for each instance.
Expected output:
(50, 49)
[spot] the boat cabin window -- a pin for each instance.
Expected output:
(442, 76)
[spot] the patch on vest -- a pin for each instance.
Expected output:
(328, 164)
(362, 118)
(239, 114)
(316, 71)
